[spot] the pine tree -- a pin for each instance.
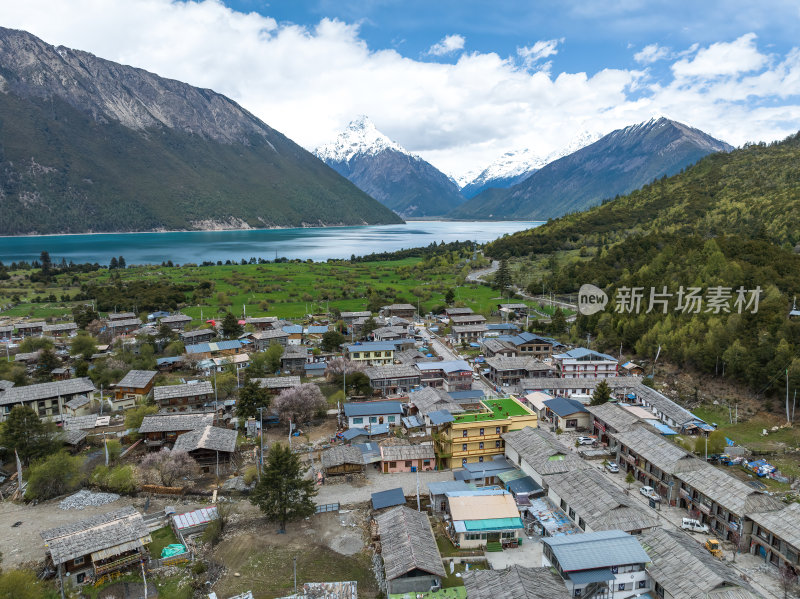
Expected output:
(558, 324)
(449, 297)
(602, 393)
(282, 493)
(251, 397)
(231, 326)
(502, 278)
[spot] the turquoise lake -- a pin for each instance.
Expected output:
(197, 246)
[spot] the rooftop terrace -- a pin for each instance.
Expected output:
(496, 409)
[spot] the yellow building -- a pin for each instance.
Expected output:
(477, 436)
(374, 353)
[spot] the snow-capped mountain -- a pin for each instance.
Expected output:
(516, 166)
(389, 173)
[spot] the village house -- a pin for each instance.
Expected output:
(210, 446)
(371, 413)
(184, 398)
(776, 536)
(680, 568)
(79, 405)
(530, 344)
(213, 349)
(314, 333)
(189, 524)
(492, 346)
(515, 582)
(451, 375)
(540, 456)
(295, 332)
(261, 323)
(6, 332)
(485, 473)
(90, 548)
(266, 337)
(467, 333)
(468, 319)
(425, 401)
(450, 312)
(501, 328)
(122, 315)
(505, 372)
(406, 311)
(349, 317)
(388, 333)
(274, 385)
(407, 458)
(177, 322)
(46, 399)
(411, 558)
(373, 353)
(593, 504)
(393, 379)
(134, 387)
(609, 418)
(581, 362)
(567, 414)
(198, 336)
(437, 493)
(33, 328)
(389, 498)
(342, 460)
(64, 329)
(478, 436)
(122, 327)
(294, 359)
(609, 563)
(483, 517)
(517, 310)
(159, 430)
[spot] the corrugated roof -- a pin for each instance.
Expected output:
(407, 543)
(483, 507)
(440, 417)
(451, 486)
(389, 498)
(592, 550)
(195, 518)
(447, 366)
(565, 407)
(204, 348)
(372, 408)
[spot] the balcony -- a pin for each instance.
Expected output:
(100, 569)
(460, 453)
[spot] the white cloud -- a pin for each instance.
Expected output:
(651, 53)
(447, 45)
(723, 58)
(309, 82)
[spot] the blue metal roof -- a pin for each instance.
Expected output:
(449, 486)
(388, 498)
(315, 366)
(378, 429)
(563, 406)
(412, 422)
(203, 348)
(440, 417)
(661, 427)
(523, 485)
(447, 366)
(352, 433)
(172, 360)
(587, 576)
(293, 329)
(502, 326)
(372, 408)
(593, 550)
(317, 329)
(469, 394)
(582, 352)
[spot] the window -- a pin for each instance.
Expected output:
(621, 586)
(355, 355)
(392, 464)
(78, 561)
(497, 443)
(408, 463)
(358, 420)
(464, 433)
(391, 418)
(480, 459)
(373, 419)
(464, 447)
(480, 445)
(643, 584)
(578, 592)
(497, 430)
(481, 433)
(463, 461)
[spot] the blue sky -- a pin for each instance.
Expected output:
(459, 82)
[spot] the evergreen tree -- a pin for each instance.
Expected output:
(502, 278)
(230, 326)
(113, 263)
(251, 397)
(449, 297)
(332, 340)
(282, 493)
(602, 393)
(368, 326)
(121, 262)
(558, 324)
(25, 432)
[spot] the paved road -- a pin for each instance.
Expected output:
(347, 494)
(447, 353)
(478, 274)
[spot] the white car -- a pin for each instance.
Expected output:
(586, 440)
(693, 525)
(612, 467)
(650, 493)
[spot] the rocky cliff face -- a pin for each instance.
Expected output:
(121, 149)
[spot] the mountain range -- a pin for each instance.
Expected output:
(389, 173)
(616, 164)
(90, 145)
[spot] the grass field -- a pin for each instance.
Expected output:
(161, 538)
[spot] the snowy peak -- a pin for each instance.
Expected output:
(361, 137)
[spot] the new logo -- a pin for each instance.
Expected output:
(591, 299)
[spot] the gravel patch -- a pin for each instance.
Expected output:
(83, 499)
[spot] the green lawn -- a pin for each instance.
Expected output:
(161, 538)
(455, 582)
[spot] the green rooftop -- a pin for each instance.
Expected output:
(496, 409)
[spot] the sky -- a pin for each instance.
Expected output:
(459, 82)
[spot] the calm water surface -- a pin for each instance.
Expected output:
(198, 246)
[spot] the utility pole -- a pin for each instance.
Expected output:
(261, 436)
(419, 509)
(294, 560)
(788, 418)
(290, 435)
(144, 578)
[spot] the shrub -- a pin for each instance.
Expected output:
(213, 532)
(250, 475)
(55, 475)
(115, 479)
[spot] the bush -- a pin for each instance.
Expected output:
(134, 417)
(213, 532)
(115, 479)
(250, 475)
(21, 584)
(56, 475)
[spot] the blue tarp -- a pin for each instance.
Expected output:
(730, 442)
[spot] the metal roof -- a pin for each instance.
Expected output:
(204, 348)
(447, 366)
(106, 531)
(372, 408)
(352, 433)
(389, 498)
(186, 390)
(407, 543)
(371, 346)
(196, 518)
(212, 438)
(440, 417)
(587, 576)
(47, 391)
(428, 400)
(450, 486)
(592, 550)
(686, 570)
(515, 582)
(581, 352)
(137, 379)
(565, 407)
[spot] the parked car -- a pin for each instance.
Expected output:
(586, 440)
(693, 525)
(612, 467)
(650, 493)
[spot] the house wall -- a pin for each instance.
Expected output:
(574, 368)
(361, 421)
(422, 465)
(475, 540)
(581, 420)
(418, 582)
(772, 548)
(375, 358)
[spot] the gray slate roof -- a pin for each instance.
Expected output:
(727, 491)
(391, 371)
(137, 379)
(686, 570)
(121, 315)
(428, 400)
(515, 582)
(467, 318)
(186, 390)
(517, 363)
(47, 391)
(658, 451)
(399, 453)
(117, 324)
(614, 416)
(66, 326)
(784, 523)
(407, 543)
(94, 534)
(342, 454)
(543, 453)
(213, 438)
(592, 550)
(167, 423)
(279, 382)
(175, 318)
(601, 504)
(71, 436)
(77, 402)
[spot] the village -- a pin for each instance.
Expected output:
(452, 457)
